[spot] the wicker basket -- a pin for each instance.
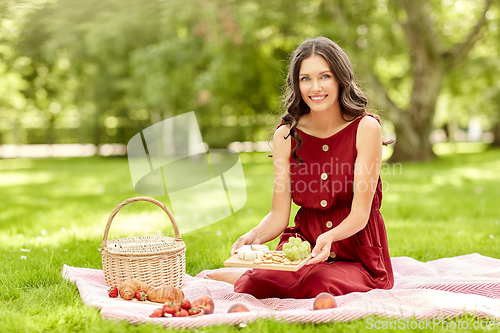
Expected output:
(155, 260)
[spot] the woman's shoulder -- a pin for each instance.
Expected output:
(369, 132)
(282, 131)
(369, 123)
(281, 141)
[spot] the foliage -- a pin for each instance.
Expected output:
(100, 70)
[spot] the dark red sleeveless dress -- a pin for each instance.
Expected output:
(323, 187)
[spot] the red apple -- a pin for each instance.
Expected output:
(238, 307)
(324, 301)
(205, 303)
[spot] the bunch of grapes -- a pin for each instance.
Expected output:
(296, 249)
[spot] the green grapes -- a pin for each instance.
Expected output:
(296, 249)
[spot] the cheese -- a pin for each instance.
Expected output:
(250, 255)
(252, 252)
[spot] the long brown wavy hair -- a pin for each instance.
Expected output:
(352, 100)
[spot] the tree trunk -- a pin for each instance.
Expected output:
(414, 128)
(16, 129)
(430, 63)
(496, 135)
(49, 130)
(412, 142)
(97, 129)
(451, 128)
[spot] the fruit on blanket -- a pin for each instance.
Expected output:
(169, 308)
(166, 293)
(238, 307)
(157, 313)
(175, 310)
(205, 303)
(186, 304)
(195, 311)
(113, 292)
(324, 301)
(296, 249)
(182, 313)
(129, 288)
(141, 295)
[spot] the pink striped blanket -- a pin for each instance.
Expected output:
(442, 288)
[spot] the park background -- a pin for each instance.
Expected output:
(94, 73)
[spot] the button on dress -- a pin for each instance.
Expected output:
(356, 264)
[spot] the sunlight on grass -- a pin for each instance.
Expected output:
(16, 164)
(134, 224)
(447, 148)
(475, 173)
(13, 178)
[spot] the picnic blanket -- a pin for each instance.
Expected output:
(442, 288)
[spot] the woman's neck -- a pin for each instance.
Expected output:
(322, 124)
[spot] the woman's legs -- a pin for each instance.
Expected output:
(338, 278)
(225, 275)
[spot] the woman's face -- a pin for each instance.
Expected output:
(318, 87)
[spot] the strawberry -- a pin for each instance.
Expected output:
(182, 313)
(141, 295)
(194, 311)
(186, 304)
(169, 308)
(157, 313)
(113, 292)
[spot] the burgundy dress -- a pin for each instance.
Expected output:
(323, 188)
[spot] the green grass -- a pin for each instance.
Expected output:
(57, 209)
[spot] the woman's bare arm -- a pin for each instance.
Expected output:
(273, 224)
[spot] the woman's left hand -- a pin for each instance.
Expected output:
(321, 251)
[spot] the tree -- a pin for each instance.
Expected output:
(135, 62)
(12, 101)
(430, 62)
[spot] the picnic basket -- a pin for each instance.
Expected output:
(155, 260)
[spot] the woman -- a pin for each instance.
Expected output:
(327, 157)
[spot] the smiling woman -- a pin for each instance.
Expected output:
(327, 155)
(318, 87)
(321, 77)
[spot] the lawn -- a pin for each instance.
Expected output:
(53, 212)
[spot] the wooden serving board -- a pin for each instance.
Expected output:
(234, 261)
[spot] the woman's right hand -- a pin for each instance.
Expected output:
(247, 239)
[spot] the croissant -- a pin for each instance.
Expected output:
(129, 287)
(166, 293)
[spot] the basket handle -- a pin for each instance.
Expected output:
(126, 202)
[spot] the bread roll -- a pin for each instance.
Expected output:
(165, 293)
(129, 287)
